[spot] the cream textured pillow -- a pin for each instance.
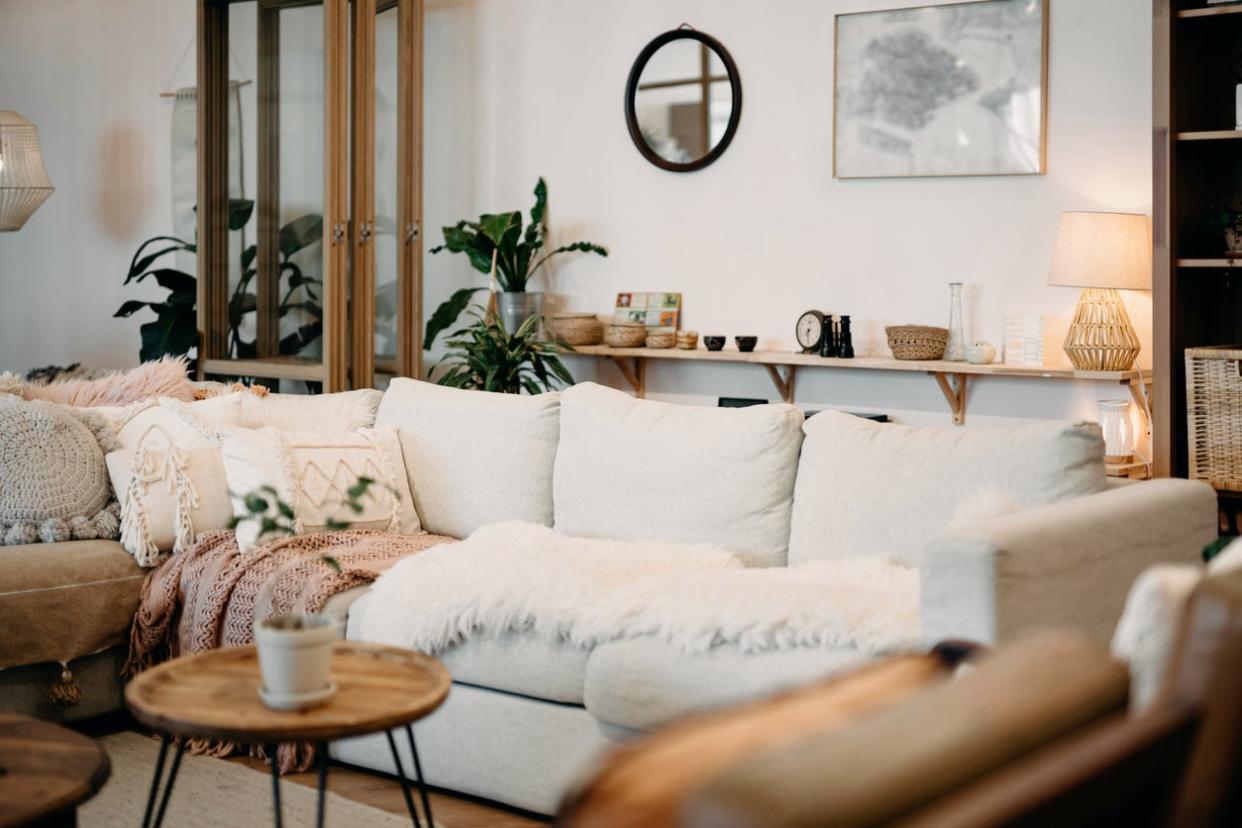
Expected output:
(474, 457)
(342, 411)
(168, 474)
(636, 470)
(312, 470)
(53, 484)
(867, 488)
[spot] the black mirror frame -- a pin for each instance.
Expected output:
(631, 92)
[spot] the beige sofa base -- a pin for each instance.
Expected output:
(24, 689)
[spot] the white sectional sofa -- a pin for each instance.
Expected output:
(1009, 530)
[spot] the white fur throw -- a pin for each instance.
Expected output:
(523, 577)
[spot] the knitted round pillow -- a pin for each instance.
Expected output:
(53, 482)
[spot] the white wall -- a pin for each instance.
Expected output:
(766, 232)
(522, 88)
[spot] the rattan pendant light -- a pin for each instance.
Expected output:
(24, 184)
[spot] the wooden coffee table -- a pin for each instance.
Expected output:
(215, 695)
(46, 771)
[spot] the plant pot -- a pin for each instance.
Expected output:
(516, 308)
(295, 652)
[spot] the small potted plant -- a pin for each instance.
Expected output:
(498, 245)
(295, 650)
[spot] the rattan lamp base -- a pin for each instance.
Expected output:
(1101, 337)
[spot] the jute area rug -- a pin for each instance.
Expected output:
(210, 792)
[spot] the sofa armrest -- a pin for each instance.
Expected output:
(1069, 564)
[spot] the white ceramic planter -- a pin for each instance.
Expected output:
(294, 655)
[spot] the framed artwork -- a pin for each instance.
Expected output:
(655, 310)
(959, 89)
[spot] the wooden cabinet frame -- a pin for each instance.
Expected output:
(348, 290)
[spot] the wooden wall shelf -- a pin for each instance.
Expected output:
(1215, 11)
(1211, 135)
(1209, 263)
(782, 368)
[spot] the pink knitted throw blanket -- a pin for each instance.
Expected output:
(211, 595)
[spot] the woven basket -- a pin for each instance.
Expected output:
(577, 328)
(625, 335)
(1214, 415)
(688, 340)
(661, 339)
(917, 341)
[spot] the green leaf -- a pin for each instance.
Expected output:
(173, 333)
(129, 308)
(140, 263)
(540, 209)
(240, 210)
(176, 280)
(248, 255)
(255, 504)
(447, 314)
(285, 509)
(354, 506)
(300, 233)
(497, 227)
(332, 563)
(335, 525)
(360, 488)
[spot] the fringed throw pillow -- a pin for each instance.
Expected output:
(53, 482)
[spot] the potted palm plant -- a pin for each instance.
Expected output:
(499, 245)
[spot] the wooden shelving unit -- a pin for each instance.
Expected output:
(1197, 298)
(783, 366)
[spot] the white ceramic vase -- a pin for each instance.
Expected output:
(295, 652)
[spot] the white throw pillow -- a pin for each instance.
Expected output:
(866, 488)
(474, 457)
(630, 469)
(342, 411)
(168, 475)
(312, 470)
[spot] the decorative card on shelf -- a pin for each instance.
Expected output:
(952, 89)
(1024, 340)
(655, 310)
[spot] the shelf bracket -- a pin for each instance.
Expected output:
(634, 374)
(784, 382)
(953, 386)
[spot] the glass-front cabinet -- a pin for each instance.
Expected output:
(309, 191)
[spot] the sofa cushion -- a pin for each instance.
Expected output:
(521, 663)
(64, 600)
(474, 457)
(342, 411)
(312, 471)
(630, 469)
(641, 683)
(867, 488)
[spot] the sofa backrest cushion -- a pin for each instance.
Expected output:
(632, 469)
(345, 411)
(473, 457)
(867, 488)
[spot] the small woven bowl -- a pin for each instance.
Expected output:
(917, 341)
(577, 328)
(625, 335)
(661, 339)
(688, 340)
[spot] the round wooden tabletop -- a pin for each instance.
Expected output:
(45, 769)
(216, 695)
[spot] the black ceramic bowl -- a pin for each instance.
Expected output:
(746, 344)
(713, 343)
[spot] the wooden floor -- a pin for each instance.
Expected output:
(384, 792)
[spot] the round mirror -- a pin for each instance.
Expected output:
(683, 100)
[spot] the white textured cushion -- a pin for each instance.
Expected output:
(312, 470)
(473, 457)
(867, 488)
(632, 469)
(168, 475)
(342, 411)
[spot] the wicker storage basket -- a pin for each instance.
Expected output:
(577, 328)
(688, 340)
(625, 335)
(661, 339)
(1214, 415)
(917, 341)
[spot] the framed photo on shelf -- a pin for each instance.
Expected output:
(958, 89)
(655, 310)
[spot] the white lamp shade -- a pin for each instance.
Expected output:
(1103, 250)
(24, 184)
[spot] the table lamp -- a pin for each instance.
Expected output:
(1102, 253)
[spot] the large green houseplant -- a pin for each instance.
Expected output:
(499, 245)
(175, 329)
